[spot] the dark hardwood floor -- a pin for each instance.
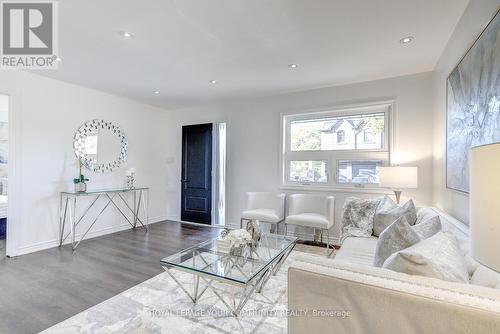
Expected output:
(41, 289)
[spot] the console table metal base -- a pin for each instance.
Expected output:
(68, 204)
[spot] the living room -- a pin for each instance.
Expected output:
(244, 166)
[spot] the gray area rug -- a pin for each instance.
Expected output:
(158, 305)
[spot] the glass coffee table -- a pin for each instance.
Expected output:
(211, 262)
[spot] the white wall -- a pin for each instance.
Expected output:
(46, 113)
(254, 135)
(474, 20)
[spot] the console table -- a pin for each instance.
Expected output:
(68, 204)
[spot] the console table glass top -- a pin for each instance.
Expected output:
(103, 191)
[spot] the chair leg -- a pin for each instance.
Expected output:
(286, 230)
(241, 223)
(328, 253)
(278, 226)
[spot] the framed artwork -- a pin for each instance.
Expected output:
(473, 104)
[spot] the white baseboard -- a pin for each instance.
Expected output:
(93, 233)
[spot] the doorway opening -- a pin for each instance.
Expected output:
(203, 174)
(4, 161)
(219, 168)
(196, 179)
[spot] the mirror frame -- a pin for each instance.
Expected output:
(90, 127)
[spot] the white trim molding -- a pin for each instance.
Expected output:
(14, 214)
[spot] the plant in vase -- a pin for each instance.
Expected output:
(80, 181)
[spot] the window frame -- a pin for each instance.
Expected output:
(333, 156)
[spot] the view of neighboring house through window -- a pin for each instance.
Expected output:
(308, 171)
(341, 137)
(342, 147)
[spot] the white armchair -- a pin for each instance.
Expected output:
(316, 211)
(266, 207)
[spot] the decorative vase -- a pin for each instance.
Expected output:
(130, 182)
(130, 178)
(253, 227)
(80, 187)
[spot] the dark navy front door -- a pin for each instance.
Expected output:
(197, 173)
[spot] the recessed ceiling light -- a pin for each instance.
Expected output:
(407, 39)
(213, 82)
(156, 92)
(126, 34)
(293, 65)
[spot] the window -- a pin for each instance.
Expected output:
(339, 148)
(369, 137)
(341, 137)
(308, 171)
(358, 171)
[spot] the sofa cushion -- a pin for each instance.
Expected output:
(399, 235)
(265, 215)
(358, 250)
(388, 211)
(427, 228)
(486, 277)
(425, 213)
(309, 220)
(438, 256)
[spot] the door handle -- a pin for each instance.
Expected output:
(184, 181)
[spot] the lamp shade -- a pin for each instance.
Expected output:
(484, 205)
(398, 177)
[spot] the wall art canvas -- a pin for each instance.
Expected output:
(473, 105)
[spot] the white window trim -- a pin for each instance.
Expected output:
(387, 106)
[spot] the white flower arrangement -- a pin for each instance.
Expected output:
(238, 237)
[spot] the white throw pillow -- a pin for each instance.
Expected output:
(388, 211)
(399, 235)
(428, 228)
(438, 256)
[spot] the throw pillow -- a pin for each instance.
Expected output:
(428, 228)
(357, 219)
(388, 211)
(438, 256)
(425, 213)
(399, 235)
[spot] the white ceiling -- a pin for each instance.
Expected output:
(246, 45)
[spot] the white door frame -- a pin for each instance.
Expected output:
(14, 170)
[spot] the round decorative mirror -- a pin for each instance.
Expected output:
(100, 145)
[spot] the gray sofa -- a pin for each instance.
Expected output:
(347, 294)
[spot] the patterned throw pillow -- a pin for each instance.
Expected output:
(438, 256)
(399, 235)
(357, 219)
(388, 211)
